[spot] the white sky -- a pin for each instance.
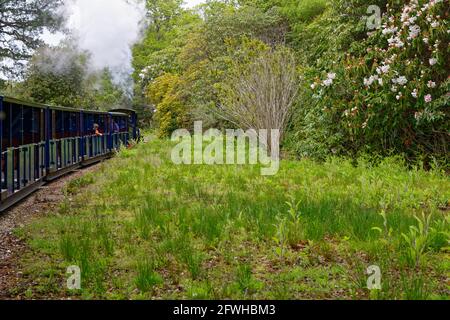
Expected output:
(80, 6)
(107, 29)
(192, 3)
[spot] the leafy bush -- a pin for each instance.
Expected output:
(387, 93)
(305, 10)
(380, 91)
(170, 110)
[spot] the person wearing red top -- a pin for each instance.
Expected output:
(97, 131)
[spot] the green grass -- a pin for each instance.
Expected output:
(144, 228)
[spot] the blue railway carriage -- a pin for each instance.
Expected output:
(40, 143)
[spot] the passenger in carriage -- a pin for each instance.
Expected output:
(97, 130)
(116, 128)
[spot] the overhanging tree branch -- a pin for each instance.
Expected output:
(21, 25)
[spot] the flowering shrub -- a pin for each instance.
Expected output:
(164, 93)
(391, 91)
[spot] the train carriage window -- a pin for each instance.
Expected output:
(31, 125)
(125, 124)
(6, 143)
(73, 124)
(59, 124)
(36, 125)
(97, 121)
(27, 130)
(16, 125)
(42, 125)
(102, 122)
(85, 124)
(66, 119)
(89, 121)
(52, 124)
(115, 124)
(122, 122)
(70, 124)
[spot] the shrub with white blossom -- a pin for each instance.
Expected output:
(391, 91)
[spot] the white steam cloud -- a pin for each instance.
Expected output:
(107, 29)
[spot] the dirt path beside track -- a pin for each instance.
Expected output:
(42, 202)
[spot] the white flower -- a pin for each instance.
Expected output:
(328, 82)
(380, 82)
(394, 89)
(387, 31)
(414, 31)
(433, 61)
(414, 93)
(412, 20)
(368, 82)
(435, 24)
(383, 69)
(332, 76)
(431, 84)
(400, 80)
(405, 15)
(313, 86)
(396, 42)
(428, 98)
(425, 40)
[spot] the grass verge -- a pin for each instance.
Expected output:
(144, 228)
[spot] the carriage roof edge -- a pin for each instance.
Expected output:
(54, 107)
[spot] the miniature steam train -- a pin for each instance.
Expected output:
(40, 143)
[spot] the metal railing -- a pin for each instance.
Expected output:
(119, 139)
(95, 146)
(22, 166)
(64, 153)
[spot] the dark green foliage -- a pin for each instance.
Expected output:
(62, 76)
(328, 37)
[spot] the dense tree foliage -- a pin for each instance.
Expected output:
(62, 76)
(390, 88)
(21, 24)
(55, 75)
(364, 89)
